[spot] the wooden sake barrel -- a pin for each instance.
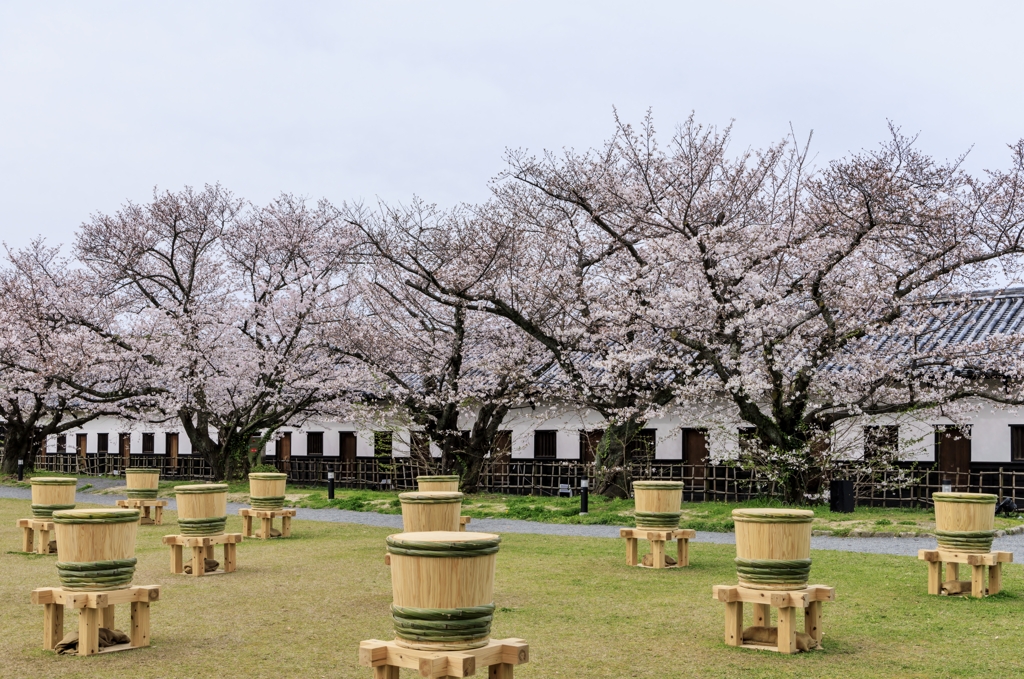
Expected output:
(442, 585)
(773, 547)
(52, 493)
(440, 484)
(202, 509)
(266, 490)
(142, 482)
(658, 504)
(96, 548)
(430, 511)
(965, 522)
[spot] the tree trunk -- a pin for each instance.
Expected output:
(18, 445)
(481, 442)
(611, 459)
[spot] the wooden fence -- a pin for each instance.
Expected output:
(910, 487)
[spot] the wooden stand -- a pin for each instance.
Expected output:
(95, 610)
(952, 583)
(266, 517)
(29, 528)
(157, 519)
(500, 656)
(658, 538)
(809, 599)
(463, 522)
(202, 548)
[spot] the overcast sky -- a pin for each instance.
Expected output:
(100, 102)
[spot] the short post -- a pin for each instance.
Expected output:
(21, 470)
(584, 489)
(330, 485)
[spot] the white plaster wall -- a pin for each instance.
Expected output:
(567, 444)
(364, 443)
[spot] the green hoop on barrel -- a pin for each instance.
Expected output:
(448, 625)
(430, 498)
(72, 516)
(774, 571)
(657, 519)
(969, 498)
(46, 511)
(969, 540)
(95, 576)
(213, 525)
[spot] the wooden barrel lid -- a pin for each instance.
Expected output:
(443, 544)
(53, 481)
(430, 498)
(95, 516)
(267, 476)
(976, 498)
(658, 485)
(771, 515)
(141, 470)
(202, 488)
(449, 477)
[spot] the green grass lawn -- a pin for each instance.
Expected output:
(299, 607)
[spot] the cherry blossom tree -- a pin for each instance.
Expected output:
(434, 364)
(237, 298)
(804, 296)
(61, 364)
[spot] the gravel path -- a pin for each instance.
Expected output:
(898, 546)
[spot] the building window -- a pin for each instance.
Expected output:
(545, 445)
(1017, 442)
(315, 443)
(102, 443)
(62, 444)
(881, 440)
(148, 444)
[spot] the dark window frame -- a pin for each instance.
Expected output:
(62, 443)
(315, 443)
(1017, 443)
(148, 443)
(545, 444)
(102, 443)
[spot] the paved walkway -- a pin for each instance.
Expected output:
(899, 546)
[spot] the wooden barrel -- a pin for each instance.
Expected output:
(52, 493)
(965, 522)
(142, 482)
(442, 585)
(658, 504)
(266, 490)
(438, 484)
(430, 511)
(96, 548)
(202, 509)
(773, 547)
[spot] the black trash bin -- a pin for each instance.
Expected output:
(841, 496)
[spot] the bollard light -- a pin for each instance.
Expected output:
(21, 470)
(330, 485)
(584, 488)
(947, 486)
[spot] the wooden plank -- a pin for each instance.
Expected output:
(198, 561)
(762, 615)
(682, 552)
(658, 553)
(140, 624)
(53, 625)
(372, 652)
(43, 595)
(934, 577)
(177, 564)
(995, 578)
(514, 651)
(790, 599)
(286, 526)
(928, 555)
(246, 523)
(787, 630)
(952, 570)
(725, 593)
(501, 671)
(812, 621)
(27, 539)
(978, 581)
(107, 613)
(385, 672)
(230, 557)
(88, 631)
(821, 593)
(734, 623)
(685, 534)
(44, 541)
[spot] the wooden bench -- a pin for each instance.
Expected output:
(144, 507)
(787, 602)
(202, 549)
(95, 610)
(952, 584)
(658, 538)
(29, 529)
(266, 518)
(500, 656)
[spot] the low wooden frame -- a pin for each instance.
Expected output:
(809, 599)
(144, 506)
(29, 529)
(202, 548)
(952, 584)
(500, 656)
(266, 517)
(658, 538)
(463, 522)
(95, 610)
